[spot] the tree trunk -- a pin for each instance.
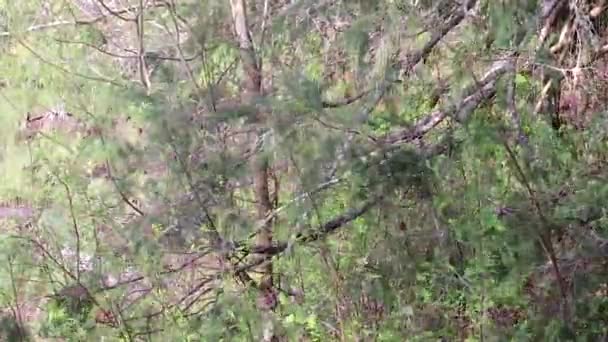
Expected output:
(260, 167)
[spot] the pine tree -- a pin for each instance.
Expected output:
(271, 170)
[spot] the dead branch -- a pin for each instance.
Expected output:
(473, 96)
(77, 22)
(408, 63)
(66, 71)
(545, 232)
(324, 230)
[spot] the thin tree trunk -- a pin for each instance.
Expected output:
(260, 167)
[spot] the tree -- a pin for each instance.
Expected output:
(332, 170)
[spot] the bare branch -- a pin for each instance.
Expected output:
(325, 229)
(74, 224)
(178, 46)
(141, 62)
(344, 102)
(473, 96)
(76, 22)
(406, 64)
(118, 14)
(69, 72)
(544, 233)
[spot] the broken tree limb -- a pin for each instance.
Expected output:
(473, 96)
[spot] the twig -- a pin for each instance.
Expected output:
(344, 102)
(66, 71)
(123, 196)
(543, 235)
(473, 96)
(173, 13)
(116, 55)
(64, 269)
(325, 229)
(74, 224)
(271, 215)
(118, 14)
(76, 22)
(17, 311)
(143, 68)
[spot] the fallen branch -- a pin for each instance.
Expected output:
(473, 96)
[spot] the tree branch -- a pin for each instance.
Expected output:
(77, 22)
(325, 229)
(472, 97)
(406, 64)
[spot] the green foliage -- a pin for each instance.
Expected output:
(451, 248)
(63, 321)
